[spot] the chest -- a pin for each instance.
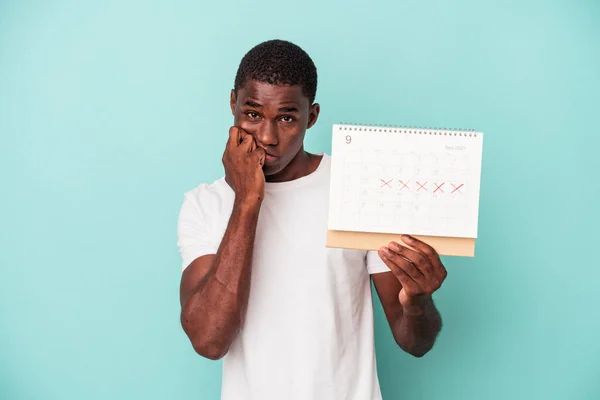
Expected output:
(290, 245)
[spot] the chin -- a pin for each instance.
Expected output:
(269, 170)
(272, 169)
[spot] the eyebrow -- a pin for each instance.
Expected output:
(289, 109)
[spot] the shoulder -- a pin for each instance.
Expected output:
(201, 217)
(209, 198)
(323, 167)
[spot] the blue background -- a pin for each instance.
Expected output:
(110, 110)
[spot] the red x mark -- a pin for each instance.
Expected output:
(456, 188)
(404, 185)
(386, 183)
(422, 186)
(439, 187)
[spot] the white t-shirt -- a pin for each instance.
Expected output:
(308, 331)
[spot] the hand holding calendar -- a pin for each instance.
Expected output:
(420, 271)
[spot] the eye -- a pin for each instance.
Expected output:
(252, 114)
(287, 118)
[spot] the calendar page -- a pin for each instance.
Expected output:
(405, 180)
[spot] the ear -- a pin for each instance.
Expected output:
(232, 101)
(313, 115)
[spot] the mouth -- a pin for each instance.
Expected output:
(270, 159)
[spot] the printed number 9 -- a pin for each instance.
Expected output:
(348, 139)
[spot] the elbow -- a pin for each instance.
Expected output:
(416, 347)
(419, 353)
(209, 347)
(210, 351)
(415, 350)
(206, 344)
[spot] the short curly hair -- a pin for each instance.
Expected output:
(278, 62)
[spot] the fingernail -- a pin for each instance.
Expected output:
(407, 238)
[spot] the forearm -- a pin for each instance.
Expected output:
(213, 313)
(416, 330)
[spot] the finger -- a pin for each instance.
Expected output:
(247, 142)
(419, 260)
(260, 156)
(438, 268)
(404, 263)
(422, 248)
(407, 282)
(234, 136)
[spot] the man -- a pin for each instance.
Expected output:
(292, 318)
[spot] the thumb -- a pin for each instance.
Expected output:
(403, 297)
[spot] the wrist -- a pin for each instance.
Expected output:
(416, 307)
(247, 203)
(413, 311)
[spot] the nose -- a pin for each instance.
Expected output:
(266, 134)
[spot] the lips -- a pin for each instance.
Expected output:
(269, 159)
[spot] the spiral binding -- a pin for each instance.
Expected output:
(411, 130)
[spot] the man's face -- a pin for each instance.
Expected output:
(277, 117)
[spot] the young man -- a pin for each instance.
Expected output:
(292, 318)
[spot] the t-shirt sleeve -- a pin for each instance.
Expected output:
(193, 233)
(375, 264)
